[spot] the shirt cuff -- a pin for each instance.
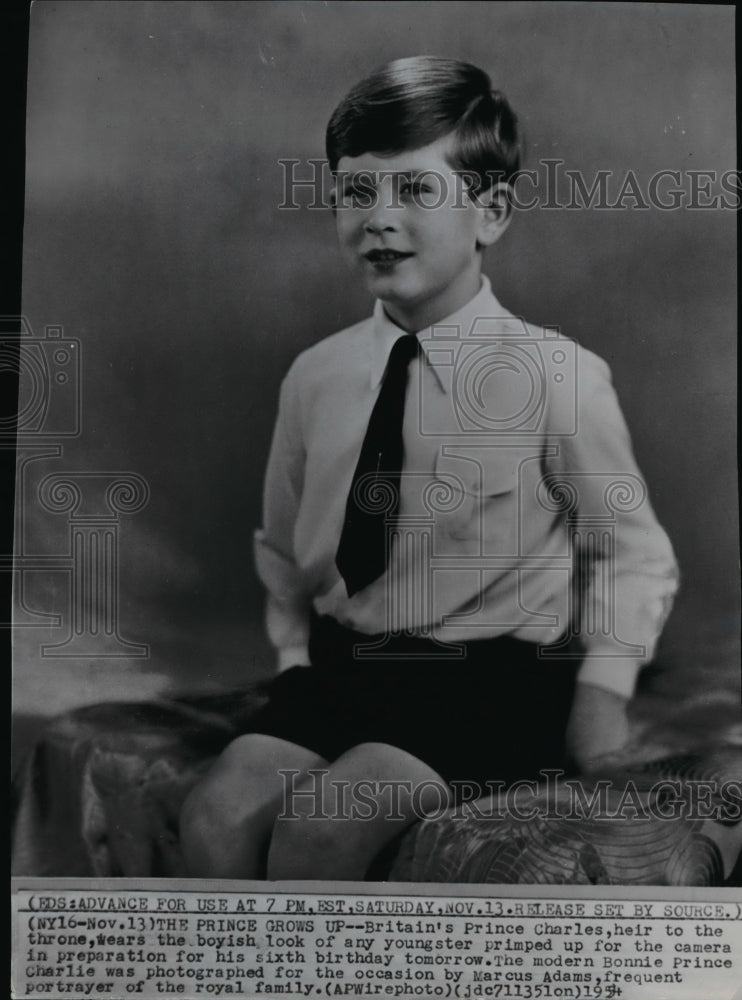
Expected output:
(277, 572)
(612, 673)
(292, 656)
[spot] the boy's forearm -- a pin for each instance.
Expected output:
(633, 577)
(598, 726)
(288, 631)
(616, 674)
(287, 605)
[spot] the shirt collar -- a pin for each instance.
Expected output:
(459, 324)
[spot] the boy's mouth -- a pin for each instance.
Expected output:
(386, 257)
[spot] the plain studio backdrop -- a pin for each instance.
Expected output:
(154, 237)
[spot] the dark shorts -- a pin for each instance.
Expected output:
(498, 713)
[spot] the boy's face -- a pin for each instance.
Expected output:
(408, 224)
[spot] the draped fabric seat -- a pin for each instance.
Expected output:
(642, 825)
(100, 795)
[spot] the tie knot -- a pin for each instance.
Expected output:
(404, 350)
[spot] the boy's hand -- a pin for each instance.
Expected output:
(598, 726)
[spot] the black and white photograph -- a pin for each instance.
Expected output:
(376, 512)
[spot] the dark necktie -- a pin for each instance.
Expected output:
(373, 500)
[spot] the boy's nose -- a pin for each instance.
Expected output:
(383, 215)
(381, 219)
(379, 225)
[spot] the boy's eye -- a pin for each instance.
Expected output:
(359, 195)
(414, 188)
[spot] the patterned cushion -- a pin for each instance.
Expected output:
(101, 794)
(625, 839)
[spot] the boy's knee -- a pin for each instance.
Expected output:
(212, 801)
(247, 753)
(305, 847)
(217, 811)
(200, 828)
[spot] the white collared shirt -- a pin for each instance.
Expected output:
(518, 479)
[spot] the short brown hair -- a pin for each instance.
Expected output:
(412, 102)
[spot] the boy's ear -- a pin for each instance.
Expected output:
(495, 209)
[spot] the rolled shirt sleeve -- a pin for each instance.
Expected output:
(288, 602)
(627, 568)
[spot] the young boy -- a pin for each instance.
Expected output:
(442, 480)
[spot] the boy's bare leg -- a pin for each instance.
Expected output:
(312, 843)
(226, 820)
